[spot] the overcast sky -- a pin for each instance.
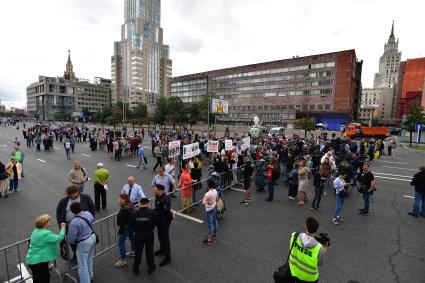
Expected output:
(203, 34)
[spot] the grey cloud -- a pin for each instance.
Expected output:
(187, 43)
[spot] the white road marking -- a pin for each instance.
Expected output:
(87, 155)
(239, 190)
(56, 147)
(392, 175)
(408, 196)
(188, 217)
(25, 275)
(5, 145)
(129, 165)
(401, 168)
(41, 160)
(382, 177)
(395, 162)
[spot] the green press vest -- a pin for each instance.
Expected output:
(303, 262)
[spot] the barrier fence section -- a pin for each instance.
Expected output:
(12, 257)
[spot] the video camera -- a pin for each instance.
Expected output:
(323, 239)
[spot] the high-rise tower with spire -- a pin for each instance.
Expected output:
(69, 69)
(388, 63)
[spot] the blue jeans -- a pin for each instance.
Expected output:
(419, 204)
(13, 184)
(366, 201)
(81, 190)
(127, 233)
(141, 162)
(270, 187)
(85, 252)
(211, 219)
(339, 203)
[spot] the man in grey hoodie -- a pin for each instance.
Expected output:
(307, 254)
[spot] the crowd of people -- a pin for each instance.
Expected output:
(334, 164)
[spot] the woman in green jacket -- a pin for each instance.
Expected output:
(44, 247)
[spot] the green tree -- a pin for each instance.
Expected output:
(412, 118)
(194, 113)
(116, 115)
(161, 110)
(104, 114)
(203, 108)
(306, 123)
(176, 110)
(61, 116)
(138, 114)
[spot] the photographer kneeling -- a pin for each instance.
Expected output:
(307, 253)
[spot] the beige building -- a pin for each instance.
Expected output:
(376, 104)
(166, 70)
(49, 95)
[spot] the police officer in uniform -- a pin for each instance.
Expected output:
(142, 222)
(163, 211)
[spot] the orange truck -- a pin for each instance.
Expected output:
(356, 130)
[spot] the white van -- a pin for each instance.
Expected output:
(276, 131)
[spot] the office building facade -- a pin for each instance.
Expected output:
(136, 62)
(326, 87)
(65, 94)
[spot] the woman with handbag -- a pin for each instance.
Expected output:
(340, 188)
(3, 181)
(44, 247)
(210, 202)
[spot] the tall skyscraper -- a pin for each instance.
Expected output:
(377, 104)
(388, 63)
(136, 62)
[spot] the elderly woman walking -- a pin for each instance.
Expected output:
(302, 182)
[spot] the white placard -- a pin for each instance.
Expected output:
(219, 106)
(191, 150)
(212, 146)
(246, 143)
(228, 145)
(174, 148)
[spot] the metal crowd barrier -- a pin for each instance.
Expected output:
(12, 257)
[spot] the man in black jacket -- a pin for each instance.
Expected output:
(419, 203)
(142, 222)
(63, 211)
(163, 211)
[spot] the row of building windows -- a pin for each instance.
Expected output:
(251, 108)
(191, 82)
(283, 116)
(277, 70)
(197, 94)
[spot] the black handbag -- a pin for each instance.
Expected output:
(146, 160)
(283, 273)
(64, 250)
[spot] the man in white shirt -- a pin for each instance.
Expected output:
(133, 190)
(340, 186)
(170, 168)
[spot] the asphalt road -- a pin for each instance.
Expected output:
(253, 240)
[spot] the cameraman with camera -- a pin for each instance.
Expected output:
(307, 253)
